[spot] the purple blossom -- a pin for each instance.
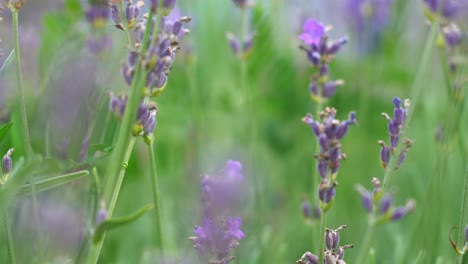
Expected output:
(97, 15)
(219, 232)
(313, 31)
(7, 162)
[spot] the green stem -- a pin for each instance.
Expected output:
(124, 133)
(96, 249)
(366, 244)
(156, 196)
(463, 210)
(10, 243)
(249, 96)
(20, 90)
(415, 93)
(124, 19)
(323, 226)
(24, 116)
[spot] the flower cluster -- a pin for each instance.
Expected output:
(242, 46)
(368, 18)
(379, 205)
(132, 12)
(329, 133)
(160, 55)
(320, 52)
(444, 9)
(146, 117)
(220, 232)
(97, 16)
(334, 254)
(395, 128)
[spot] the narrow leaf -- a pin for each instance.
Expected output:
(6, 63)
(117, 222)
(52, 182)
(4, 130)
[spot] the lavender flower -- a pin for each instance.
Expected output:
(452, 35)
(220, 232)
(447, 9)
(97, 15)
(395, 128)
(241, 50)
(159, 56)
(132, 12)
(329, 134)
(334, 254)
(368, 18)
(379, 206)
(320, 52)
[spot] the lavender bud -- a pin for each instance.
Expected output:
(102, 214)
(452, 34)
(329, 89)
(115, 15)
(393, 127)
(308, 258)
(335, 46)
(324, 142)
(322, 168)
(131, 13)
(400, 212)
(332, 239)
(234, 43)
(313, 88)
(306, 210)
(248, 42)
(394, 141)
(386, 203)
(7, 162)
(384, 154)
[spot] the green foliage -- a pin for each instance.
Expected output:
(117, 222)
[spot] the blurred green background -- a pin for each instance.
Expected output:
(202, 122)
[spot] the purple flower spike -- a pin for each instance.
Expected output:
(313, 32)
(219, 232)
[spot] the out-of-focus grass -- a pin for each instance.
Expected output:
(192, 140)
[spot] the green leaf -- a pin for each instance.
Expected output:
(117, 222)
(52, 182)
(99, 147)
(4, 130)
(6, 63)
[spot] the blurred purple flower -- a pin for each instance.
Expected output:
(97, 15)
(219, 232)
(313, 31)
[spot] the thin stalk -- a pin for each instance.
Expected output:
(323, 226)
(24, 116)
(415, 93)
(10, 243)
(156, 196)
(96, 249)
(20, 90)
(366, 244)
(124, 19)
(124, 133)
(248, 96)
(463, 210)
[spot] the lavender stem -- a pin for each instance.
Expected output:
(156, 196)
(415, 94)
(463, 210)
(96, 249)
(366, 244)
(10, 243)
(24, 116)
